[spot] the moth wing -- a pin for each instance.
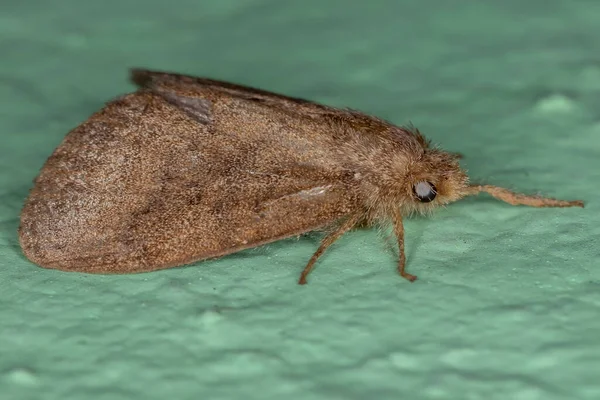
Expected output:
(161, 178)
(294, 107)
(169, 83)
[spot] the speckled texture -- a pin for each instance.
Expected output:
(508, 299)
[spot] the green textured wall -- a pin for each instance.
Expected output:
(508, 301)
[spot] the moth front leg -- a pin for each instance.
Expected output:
(399, 231)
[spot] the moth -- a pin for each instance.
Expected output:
(185, 169)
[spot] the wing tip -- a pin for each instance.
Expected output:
(141, 77)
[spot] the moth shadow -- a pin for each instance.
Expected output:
(273, 248)
(10, 209)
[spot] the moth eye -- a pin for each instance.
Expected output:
(425, 191)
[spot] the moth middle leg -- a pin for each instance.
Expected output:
(327, 241)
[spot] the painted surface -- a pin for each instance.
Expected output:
(508, 299)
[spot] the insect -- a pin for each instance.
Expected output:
(186, 169)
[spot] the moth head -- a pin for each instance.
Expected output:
(409, 173)
(433, 180)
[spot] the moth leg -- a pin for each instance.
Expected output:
(399, 231)
(328, 241)
(522, 199)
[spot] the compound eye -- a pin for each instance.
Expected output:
(425, 191)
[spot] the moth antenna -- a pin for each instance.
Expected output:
(521, 199)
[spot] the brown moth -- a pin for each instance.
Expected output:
(186, 169)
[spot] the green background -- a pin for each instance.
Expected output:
(507, 305)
